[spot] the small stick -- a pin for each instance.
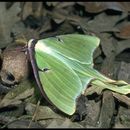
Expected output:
(35, 114)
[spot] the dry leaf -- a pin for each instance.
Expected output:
(96, 7)
(23, 123)
(64, 4)
(107, 67)
(124, 72)
(37, 9)
(93, 89)
(124, 32)
(107, 110)
(46, 25)
(27, 10)
(121, 46)
(52, 3)
(123, 118)
(43, 112)
(66, 124)
(7, 19)
(59, 15)
(122, 98)
(93, 7)
(107, 44)
(14, 96)
(103, 23)
(15, 66)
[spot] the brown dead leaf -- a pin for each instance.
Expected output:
(103, 23)
(27, 10)
(93, 7)
(14, 96)
(123, 117)
(37, 9)
(59, 15)
(60, 4)
(107, 110)
(46, 26)
(64, 28)
(19, 31)
(64, 124)
(124, 32)
(15, 66)
(93, 111)
(79, 22)
(52, 3)
(43, 112)
(107, 67)
(32, 8)
(122, 98)
(107, 44)
(124, 72)
(125, 6)
(23, 123)
(96, 7)
(64, 4)
(122, 45)
(93, 89)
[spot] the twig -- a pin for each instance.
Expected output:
(35, 114)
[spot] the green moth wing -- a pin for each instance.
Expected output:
(61, 62)
(73, 46)
(60, 83)
(76, 50)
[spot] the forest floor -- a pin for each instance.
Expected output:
(20, 106)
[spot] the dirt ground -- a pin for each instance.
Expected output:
(20, 106)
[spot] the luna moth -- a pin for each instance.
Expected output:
(63, 68)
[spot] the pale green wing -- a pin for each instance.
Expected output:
(73, 46)
(60, 83)
(75, 50)
(70, 60)
(66, 68)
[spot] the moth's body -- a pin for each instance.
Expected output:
(31, 52)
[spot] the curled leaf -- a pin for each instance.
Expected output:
(14, 66)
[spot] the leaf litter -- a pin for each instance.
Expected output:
(107, 20)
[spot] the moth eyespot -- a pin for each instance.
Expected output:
(60, 40)
(45, 69)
